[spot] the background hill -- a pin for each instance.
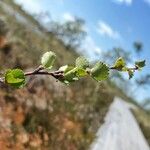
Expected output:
(47, 114)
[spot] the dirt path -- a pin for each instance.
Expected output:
(120, 130)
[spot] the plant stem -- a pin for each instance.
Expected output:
(40, 71)
(134, 68)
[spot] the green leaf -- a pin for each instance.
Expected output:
(140, 64)
(119, 64)
(124, 69)
(66, 68)
(73, 74)
(130, 73)
(82, 62)
(81, 72)
(48, 59)
(100, 71)
(70, 76)
(63, 68)
(15, 78)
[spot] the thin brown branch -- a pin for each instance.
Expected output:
(134, 68)
(1, 80)
(40, 71)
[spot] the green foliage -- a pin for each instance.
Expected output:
(130, 73)
(81, 72)
(140, 64)
(71, 32)
(68, 74)
(73, 74)
(65, 68)
(15, 78)
(48, 59)
(100, 71)
(82, 62)
(119, 64)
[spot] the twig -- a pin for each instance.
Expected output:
(134, 68)
(40, 71)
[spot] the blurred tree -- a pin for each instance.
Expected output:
(72, 32)
(43, 17)
(144, 80)
(138, 46)
(111, 55)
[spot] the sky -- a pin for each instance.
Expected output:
(109, 23)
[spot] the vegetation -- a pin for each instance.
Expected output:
(46, 114)
(68, 74)
(71, 32)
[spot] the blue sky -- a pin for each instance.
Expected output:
(109, 23)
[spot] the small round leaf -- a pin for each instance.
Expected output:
(140, 64)
(48, 59)
(119, 64)
(100, 71)
(15, 78)
(82, 62)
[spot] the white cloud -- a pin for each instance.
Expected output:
(68, 17)
(91, 47)
(127, 2)
(32, 6)
(106, 30)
